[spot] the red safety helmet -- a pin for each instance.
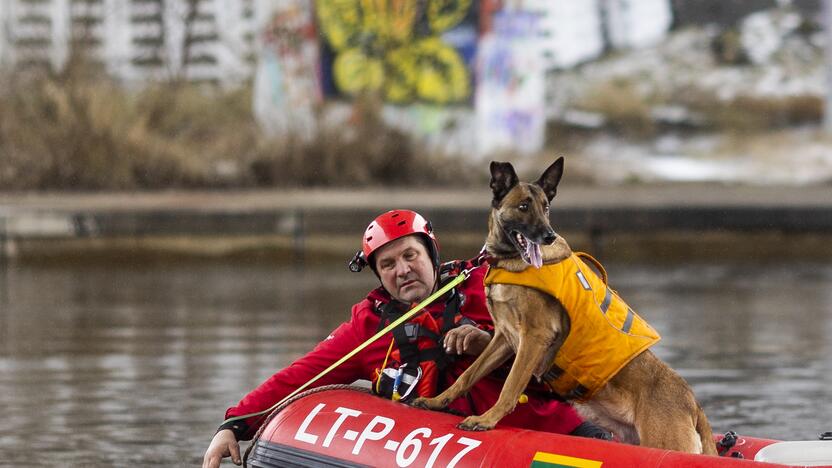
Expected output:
(388, 227)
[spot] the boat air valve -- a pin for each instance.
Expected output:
(825, 435)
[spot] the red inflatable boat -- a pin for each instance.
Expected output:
(348, 427)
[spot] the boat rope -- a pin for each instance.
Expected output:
(288, 402)
(407, 315)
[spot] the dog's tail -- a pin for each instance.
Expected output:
(706, 435)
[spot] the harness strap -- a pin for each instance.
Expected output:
(452, 309)
(407, 334)
(408, 350)
(578, 392)
(411, 330)
(592, 262)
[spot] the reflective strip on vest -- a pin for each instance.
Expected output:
(605, 306)
(605, 333)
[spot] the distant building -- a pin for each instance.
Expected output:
(136, 40)
(4, 46)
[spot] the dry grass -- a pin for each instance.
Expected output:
(625, 109)
(628, 112)
(747, 114)
(81, 131)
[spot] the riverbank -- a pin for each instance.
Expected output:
(680, 221)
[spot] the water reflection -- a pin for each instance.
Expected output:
(117, 364)
(753, 341)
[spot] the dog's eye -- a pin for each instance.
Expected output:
(523, 207)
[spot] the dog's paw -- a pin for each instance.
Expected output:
(474, 423)
(429, 403)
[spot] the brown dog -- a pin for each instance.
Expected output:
(549, 310)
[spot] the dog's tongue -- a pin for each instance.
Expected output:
(533, 252)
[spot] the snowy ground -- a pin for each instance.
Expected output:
(792, 157)
(782, 59)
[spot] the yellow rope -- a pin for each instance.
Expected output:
(384, 364)
(460, 278)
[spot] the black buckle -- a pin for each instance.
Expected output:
(577, 393)
(553, 373)
(411, 331)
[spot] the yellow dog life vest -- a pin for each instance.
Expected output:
(605, 333)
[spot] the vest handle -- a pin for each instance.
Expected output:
(589, 259)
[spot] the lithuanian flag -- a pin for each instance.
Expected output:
(551, 460)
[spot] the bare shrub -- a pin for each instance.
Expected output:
(61, 130)
(365, 151)
(79, 130)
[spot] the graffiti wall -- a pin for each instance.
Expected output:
(287, 85)
(510, 89)
(407, 51)
(464, 76)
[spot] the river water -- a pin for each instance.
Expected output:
(119, 363)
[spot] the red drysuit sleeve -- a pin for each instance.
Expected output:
(341, 341)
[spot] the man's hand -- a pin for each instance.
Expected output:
(466, 339)
(222, 445)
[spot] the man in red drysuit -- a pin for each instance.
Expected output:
(441, 342)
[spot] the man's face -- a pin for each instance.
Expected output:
(406, 270)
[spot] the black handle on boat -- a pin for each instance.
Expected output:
(727, 442)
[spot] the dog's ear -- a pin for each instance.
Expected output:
(503, 179)
(551, 178)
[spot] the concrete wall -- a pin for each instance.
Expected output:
(569, 33)
(510, 85)
(636, 23)
(287, 85)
